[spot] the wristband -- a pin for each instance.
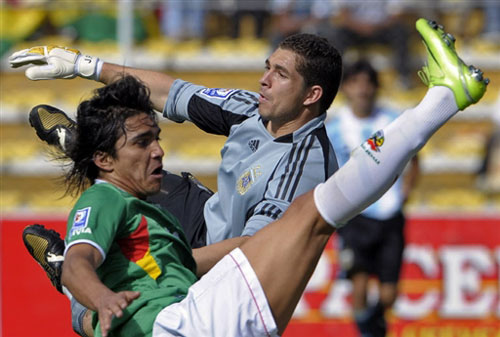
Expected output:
(88, 67)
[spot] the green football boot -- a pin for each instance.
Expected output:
(445, 68)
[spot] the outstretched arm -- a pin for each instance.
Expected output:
(158, 83)
(80, 278)
(55, 62)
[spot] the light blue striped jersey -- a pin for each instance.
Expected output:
(259, 175)
(347, 132)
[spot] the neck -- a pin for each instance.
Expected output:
(121, 186)
(362, 112)
(278, 128)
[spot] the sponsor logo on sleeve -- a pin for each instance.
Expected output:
(373, 145)
(217, 92)
(376, 141)
(80, 222)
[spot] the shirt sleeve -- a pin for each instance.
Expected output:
(95, 219)
(213, 110)
(299, 171)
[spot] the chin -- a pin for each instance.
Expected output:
(263, 111)
(154, 190)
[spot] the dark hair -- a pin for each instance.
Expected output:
(361, 66)
(100, 123)
(319, 63)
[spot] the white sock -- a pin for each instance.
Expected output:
(371, 171)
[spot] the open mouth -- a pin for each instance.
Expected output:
(263, 97)
(157, 171)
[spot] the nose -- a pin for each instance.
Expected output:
(265, 80)
(157, 151)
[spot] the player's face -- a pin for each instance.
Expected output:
(137, 167)
(360, 93)
(282, 88)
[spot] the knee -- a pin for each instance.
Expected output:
(388, 296)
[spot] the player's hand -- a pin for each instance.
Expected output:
(51, 62)
(112, 305)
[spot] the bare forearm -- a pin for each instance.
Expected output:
(81, 280)
(158, 83)
(206, 257)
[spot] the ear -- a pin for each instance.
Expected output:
(313, 95)
(103, 161)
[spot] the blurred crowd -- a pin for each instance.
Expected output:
(379, 27)
(350, 25)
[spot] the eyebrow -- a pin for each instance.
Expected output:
(278, 67)
(155, 131)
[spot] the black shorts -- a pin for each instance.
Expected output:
(184, 197)
(373, 246)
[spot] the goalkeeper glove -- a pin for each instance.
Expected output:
(50, 62)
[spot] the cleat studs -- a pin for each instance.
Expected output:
(477, 76)
(433, 24)
(451, 37)
(440, 27)
(486, 81)
(476, 73)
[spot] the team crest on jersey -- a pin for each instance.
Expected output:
(80, 222)
(247, 179)
(217, 92)
(376, 141)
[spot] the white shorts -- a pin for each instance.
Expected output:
(226, 301)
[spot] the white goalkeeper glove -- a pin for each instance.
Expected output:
(50, 62)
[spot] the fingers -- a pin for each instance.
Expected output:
(105, 322)
(14, 59)
(17, 61)
(123, 300)
(107, 315)
(36, 73)
(39, 55)
(26, 56)
(131, 295)
(17, 53)
(114, 308)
